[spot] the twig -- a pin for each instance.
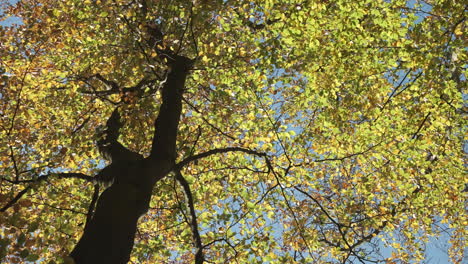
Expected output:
(420, 126)
(206, 121)
(37, 180)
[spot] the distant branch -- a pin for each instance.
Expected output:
(86, 120)
(186, 161)
(257, 26)
(206, 121)
(420, 126)
(351, 247)
(288, 205)
(396, 89)
(348, 156)
(115, 89)
(65, 175)
(15, 166)
(40, 179)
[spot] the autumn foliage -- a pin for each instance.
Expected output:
(310, 131)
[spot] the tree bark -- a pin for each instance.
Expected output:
(109, 236)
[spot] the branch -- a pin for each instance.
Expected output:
(186, 161)
(206, 121)
(288, 205)
(254, 26)
(420, 126)
(350, 155)
(115, 89)
(199, 258)
(364, 238)
(111, 84)
(350, 247)
(108, 144)
(98, 94)
(65, 175)
(459, 110)
(395, 93)
(167, 122)
(15, 166)
(191, 32)
(189, 21)
(92, 205)
(59, 208)
(396, 88)
(40, 179)
(15, 199)
(319, 205)
(86, 120)
(18, 97)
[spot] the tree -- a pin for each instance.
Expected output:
(231, 131)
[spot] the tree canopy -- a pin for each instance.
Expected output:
(302, 131)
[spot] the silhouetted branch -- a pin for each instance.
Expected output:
(15, 199)
(167, 121)
(92, 205)
(186, 161)
(206, 121)
(199, 258)
(350, 155)
(40, 179)
(64, 175)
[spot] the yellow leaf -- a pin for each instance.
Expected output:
(458, 30)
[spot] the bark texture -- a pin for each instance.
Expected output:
(109, 236)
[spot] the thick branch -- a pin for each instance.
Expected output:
(111, 84)
(167, 122)
(92, 206)
(108, 144)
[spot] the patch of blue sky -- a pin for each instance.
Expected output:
(10, 20)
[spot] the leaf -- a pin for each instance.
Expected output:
(104, 14)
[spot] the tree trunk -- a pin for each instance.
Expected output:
(109, 236)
